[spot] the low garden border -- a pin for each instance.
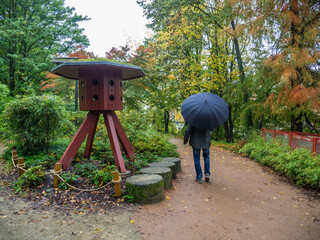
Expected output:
(294, 139)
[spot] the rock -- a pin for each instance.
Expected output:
(170, 165)
(145, 188)
(164, 172)
(177, 161)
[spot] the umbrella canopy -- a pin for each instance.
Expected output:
(205, 111)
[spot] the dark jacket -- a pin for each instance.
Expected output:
(199, 139)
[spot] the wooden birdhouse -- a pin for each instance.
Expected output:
(100, 92)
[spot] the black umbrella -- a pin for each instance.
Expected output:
(205, 111)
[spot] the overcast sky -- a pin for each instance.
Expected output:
(113, 23)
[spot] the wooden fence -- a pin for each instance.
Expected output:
(294, 139)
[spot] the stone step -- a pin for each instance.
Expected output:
(177, 161)
(145, 188)
(170, 165)
(164, 172)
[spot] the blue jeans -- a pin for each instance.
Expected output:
(196, 158)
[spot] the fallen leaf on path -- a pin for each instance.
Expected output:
(132, 221)
(167, 197)
(182, 201)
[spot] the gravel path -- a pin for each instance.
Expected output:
(242, 201)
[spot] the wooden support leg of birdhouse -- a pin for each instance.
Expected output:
(122, 136)
(90, 137)
(77, 140)
(114, 141)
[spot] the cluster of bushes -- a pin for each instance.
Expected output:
(41, 129)
(33, 122)
(298, 165)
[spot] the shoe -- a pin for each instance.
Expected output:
(198, 180)
(207, 178)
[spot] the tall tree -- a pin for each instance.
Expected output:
(204, 23)
(30, 33)
(288, 33)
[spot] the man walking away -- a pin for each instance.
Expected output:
(199, 139)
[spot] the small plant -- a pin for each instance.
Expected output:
(33, 177)
(103, 176)
(43, 160)
(85, 169)
(139, 162)
(68, 178)
(129, 198)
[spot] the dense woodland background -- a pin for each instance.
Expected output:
(262, 57)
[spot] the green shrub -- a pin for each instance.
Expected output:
(32, 122)
(154, 143)
(85, 169)
(33, 177)
(299, 165)
(103, 176)
(139, 162)
(69, 178)
(43, 160)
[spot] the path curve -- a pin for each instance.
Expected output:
(242, 201)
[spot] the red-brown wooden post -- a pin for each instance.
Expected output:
(90, 137)
(290, 140)
(14, 157)
(123, 137)
(314, 145)
(116, 183)
(114, 141)
(76, 142)
(57, 170)
(20, 166)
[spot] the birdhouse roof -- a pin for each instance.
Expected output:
(71, 69)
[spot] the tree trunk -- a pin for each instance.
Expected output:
(248, 114)
(230, 124)
(11, 76)
(226, 131)
(166, 121)
(296, 123)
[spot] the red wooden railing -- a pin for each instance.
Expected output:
(294, 139)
